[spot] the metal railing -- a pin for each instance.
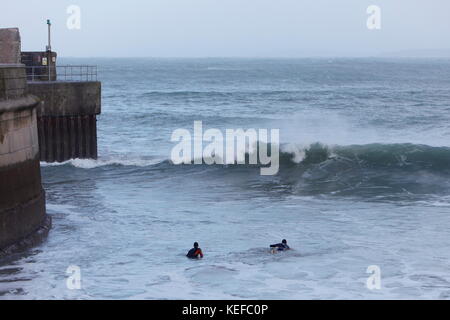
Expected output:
(70, 73)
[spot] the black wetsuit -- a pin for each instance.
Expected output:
(280, 246)
(194, 253)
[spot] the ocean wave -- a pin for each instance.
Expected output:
(375, 171)
(402, 156)
(223, 94)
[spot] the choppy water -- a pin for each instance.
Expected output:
(364, 180)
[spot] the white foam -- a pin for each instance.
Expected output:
(92, 164)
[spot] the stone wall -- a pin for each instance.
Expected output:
(23, 219)
(22, 198)
(10, 46)
(12, 81)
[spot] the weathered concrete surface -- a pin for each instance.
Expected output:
(32, 239)
(22, 198)
(60, 99)
(12, 81)
(67, 119)
(10, 46)
(65, 138)
(18, 133)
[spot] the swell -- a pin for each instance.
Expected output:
(408, 157)
(217, 93)
(394, 171)
(372, 170)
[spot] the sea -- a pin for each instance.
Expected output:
(362, 194)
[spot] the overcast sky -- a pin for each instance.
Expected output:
(231, 28)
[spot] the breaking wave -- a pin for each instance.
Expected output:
(405, 156)
(372, 170)
(92, 164)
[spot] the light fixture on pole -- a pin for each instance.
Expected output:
(49, 46)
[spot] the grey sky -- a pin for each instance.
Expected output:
(238, 28)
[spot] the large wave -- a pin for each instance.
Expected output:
(406, 155)
(372, 170)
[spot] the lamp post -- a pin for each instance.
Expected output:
(49, 49)
(49, 46)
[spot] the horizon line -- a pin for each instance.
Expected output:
(261, 57)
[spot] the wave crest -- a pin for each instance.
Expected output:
(406, 156)
(369, 171)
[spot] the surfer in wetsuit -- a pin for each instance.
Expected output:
(195, 252)
(283, 246)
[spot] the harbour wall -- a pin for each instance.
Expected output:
(23, 219)
(67, 119)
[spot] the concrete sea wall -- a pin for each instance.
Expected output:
(22, 198)
(67, 119)
(23, 220)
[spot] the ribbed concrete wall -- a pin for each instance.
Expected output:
(22, 199)
(69, 137)
(67, 119)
